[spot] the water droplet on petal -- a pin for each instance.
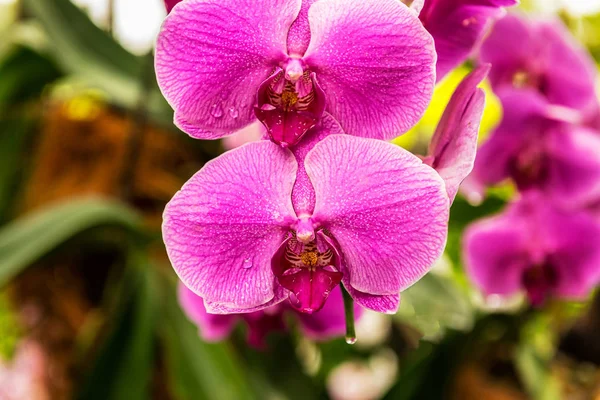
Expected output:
(247, 263)
(216, 111)
(350, 339)
(233, 113)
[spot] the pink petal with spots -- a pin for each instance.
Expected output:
(454, 144)
(386, 209)
(375, 63)
(222, 228)
(299, 35)
(303, 195)
(212, 55)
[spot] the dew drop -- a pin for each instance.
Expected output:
(233, 113)
(350, 339)
(247, 263)
(216, 111)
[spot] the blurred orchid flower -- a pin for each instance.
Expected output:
(325, 324)
(458, 26)
(537, 248)
(541, 56)
(223, 63)
(454, 144)
(260, 224)
(539, 148)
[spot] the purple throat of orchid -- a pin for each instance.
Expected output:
(290, 102)
(309, 266)
(539, 282)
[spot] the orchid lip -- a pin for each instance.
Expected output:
(289, 103)
(539, 282)
(310, 271)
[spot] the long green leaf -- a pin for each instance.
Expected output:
(199, 370)
(14, 135)
(125, 362)
(27, 239)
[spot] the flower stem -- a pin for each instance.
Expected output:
(349, 312)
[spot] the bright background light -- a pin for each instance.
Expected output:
(136, 22)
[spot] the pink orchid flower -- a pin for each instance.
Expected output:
(222, 64)
(537, 248)
(327, 323)
(261, 223)
(239, 238)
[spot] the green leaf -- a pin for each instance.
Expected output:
(199, 370)
(125, 361)
(533, 357)
(14, 135)
(27, 239)
(25, 73)
(83, 49)
(434, 304)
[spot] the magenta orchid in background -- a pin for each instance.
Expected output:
(458, 26)
(544, 57)
(454, 144)
(222, 64)
(255, 226)
(539, 148)
(536, 248)
(327, 323)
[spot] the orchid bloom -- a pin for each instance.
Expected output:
(222, 64)
(259, 224)
(454, 144)
(544, 57)
(325, 324)
(458, 26)
(537, 248)
(540, 148)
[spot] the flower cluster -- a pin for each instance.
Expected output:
(548, 145)
(323, 200)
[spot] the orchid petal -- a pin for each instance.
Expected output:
(573, 175)
(454, 144)
(212, 55)
(457, 26)
(222, 228)
(496, 253)
(303, 195)
(387, 304)
(375, 63)
(386, 209)
(212, 327)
